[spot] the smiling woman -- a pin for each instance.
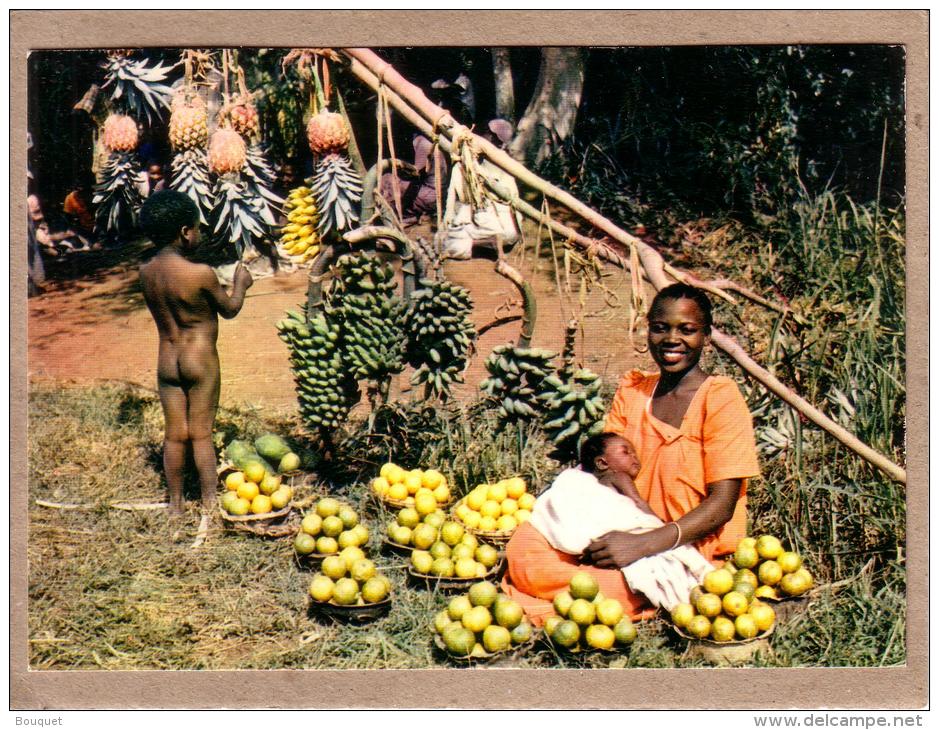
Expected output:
(694, 438)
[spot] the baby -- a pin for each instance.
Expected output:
(600, 496)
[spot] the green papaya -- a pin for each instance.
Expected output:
(271, 446)
(238, 449)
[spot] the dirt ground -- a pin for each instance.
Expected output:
(92, 324)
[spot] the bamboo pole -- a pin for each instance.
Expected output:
(406, 96)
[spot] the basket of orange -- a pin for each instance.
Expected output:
(349, 589)
(330, 527)
(255, 500)
(482, 626)
(454, 560)
(586, 620)
(492, 512)
(723, 620)
(426, 489)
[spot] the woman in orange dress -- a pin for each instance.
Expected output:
(694, 436)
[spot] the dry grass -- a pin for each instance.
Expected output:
(110, 589)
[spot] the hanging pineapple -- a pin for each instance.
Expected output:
(189, 134)
(244, 120)
(116, 195)
(238, 215)
(336, 185)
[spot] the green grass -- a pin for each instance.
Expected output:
(124, 590)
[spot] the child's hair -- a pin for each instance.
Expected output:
(685, 291)
(592, 449)
(165, 213)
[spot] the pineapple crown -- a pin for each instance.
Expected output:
(136, 86)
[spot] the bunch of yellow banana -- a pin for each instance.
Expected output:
(299, 238)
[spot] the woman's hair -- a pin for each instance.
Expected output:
(592, 449)
(165, 213)
(684, 291)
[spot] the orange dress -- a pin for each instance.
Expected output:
(715, 442)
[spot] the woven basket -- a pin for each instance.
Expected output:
(270, 524)
(350, 614)
(512, 652)
(397, 547)
(451, 583)
(497, 538)
(725, 652)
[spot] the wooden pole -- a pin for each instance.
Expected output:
(412, 103)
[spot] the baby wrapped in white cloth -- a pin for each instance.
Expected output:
(578, 508)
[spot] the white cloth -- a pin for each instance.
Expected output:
(577, 509)
(464, 226)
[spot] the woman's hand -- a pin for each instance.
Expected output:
(619, 549)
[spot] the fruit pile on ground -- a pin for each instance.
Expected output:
(329, 527)
(483, 621)
(778, 572)
(724, 608)
(424, 489)
(254, 491)
(255, 486)
(499, 507)
(349, 580)
(409, 528)
(586, 619)
(454, 554)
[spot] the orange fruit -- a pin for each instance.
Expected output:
(261, 504)
(582, 612)
(709, 605)
(722, 629)
(745, 626)
(625, 631)
(475, 500)
(769, 547)
(254, 471)
(248, 491)
(321, 588)
(397, 491)
(432, 479)
(526, 501)
(718, 581)
(490, 508)
(234, 480)
(563, 602)
(413, 481)
(515, 487)
(600, 636)
(476, 619)
(327, 507)
(240, 506)
(682, 614)
(583, 585)
(506, 523)
(699, 626)
(734, 603)
(496, 492)
(769, 572)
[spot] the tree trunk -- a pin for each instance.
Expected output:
(505, 87)
(551, 114)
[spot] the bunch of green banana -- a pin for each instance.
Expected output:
(299, 238)
(325, 390)
(373, 316)
(573, 410)
(515, 376)
(440, 334)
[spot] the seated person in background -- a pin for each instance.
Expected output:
(600, 496)
(52, 243)
(472, 231)
(418, 196)
(77, 208)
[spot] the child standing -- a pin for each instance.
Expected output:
(186, 300)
